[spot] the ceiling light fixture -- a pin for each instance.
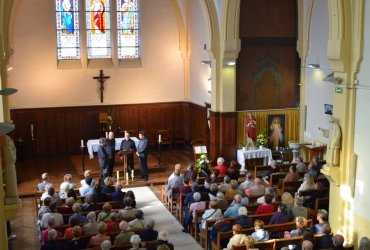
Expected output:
(313, 66)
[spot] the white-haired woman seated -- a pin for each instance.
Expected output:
(163, 237)
(135, 242)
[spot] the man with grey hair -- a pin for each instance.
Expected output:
(175, 180)
(322, 218)
(42, 184)
(225, 186)
(76, 210)
(338, 241)
(248, 183)
(91, 228)
(124, 236)
(118, 195)
(106, 245)
(301, 166)
(103, 157)
(232, 211)
(298, 210)
(163, 237)
(149, 234)
(51, 243)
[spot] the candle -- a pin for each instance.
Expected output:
(159, 138)
(117, 175)
(82, 143)
(126, 176)
(32, 130)
(106, 134)
(132, 173)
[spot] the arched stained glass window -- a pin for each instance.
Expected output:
(98, 29)
(128, 29)
(68, 33)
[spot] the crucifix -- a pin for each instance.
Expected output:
(101, 78)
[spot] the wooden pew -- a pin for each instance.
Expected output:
(204, 234)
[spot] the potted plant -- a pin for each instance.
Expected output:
(261, 140)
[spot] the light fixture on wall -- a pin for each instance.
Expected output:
(9, 68)
(313, 66)
(6, 127)
(206, 62)
(331, 78)
(230, 63)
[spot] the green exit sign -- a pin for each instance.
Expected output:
(339, 90)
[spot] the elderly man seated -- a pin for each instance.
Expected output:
(175, 179)
(257, 190)
(232, 211)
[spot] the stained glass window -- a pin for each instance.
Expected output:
(128, 29)
(98, 29)
(68, 33)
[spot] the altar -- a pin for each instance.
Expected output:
(264, 153)
(93, 145)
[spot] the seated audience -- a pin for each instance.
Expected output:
(175, 180)
(226, 185)
(237, 239)
(293, 175)
(73, 193)
(314, 167)
(191, 173)
(221, 167)
(270, 191)
(42, 184)
(232, 211)
(288, 200)
(132, 196)
(244, 220)
(364, 243)
(194, 207)
(281, 216)
(44, 208)
(89, 205)
(135, 241)
(190, 196)
(259, 233)
(67, 207)
(64, 187)
(98, 196)
(325, 241)
(108, 186)
(185, 188)
(221, 202)
(307, 184)
(67, 179)
(301, 166)
(50, 192)
(233, 170)
(124, 236)
(248, 183)
(163, 237)
(105, 214)
(106, 245)
(204, 171)
(149, 234)
(298, 210)
(113, 223)
(273, 169)
(307, 245)
(308, 235)
(95, 241)
(53, 213)
(209, 214)
(77, 243)
(212, 179)
(91, 227)
(257, 190)
(266, 207)
(301, 224)
(128, 212)
(87, 175)
(249, 243)
(338, 241)
(213, 190)
(76, 210)
(138, 222)
(230, 194)
(322, 218)
(68, 232)
(88, 187)
(220, 225)
(317, 193)
(118, 195)
(52, 243)
(50, 225)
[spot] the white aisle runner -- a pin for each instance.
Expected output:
(153, 208)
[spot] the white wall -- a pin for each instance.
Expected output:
(199, 73)
(362, 125)
(317, 91)
(41, 84)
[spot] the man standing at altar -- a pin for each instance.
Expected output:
(103, 159)
(126, 145)
(142, 153)
(110, 148)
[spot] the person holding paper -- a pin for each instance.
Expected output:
(142, 153)
(126, 145)
(110, 148)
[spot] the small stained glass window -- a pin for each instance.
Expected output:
(68, 33)
(128, 29)
(98, 29)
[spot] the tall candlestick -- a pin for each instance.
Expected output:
(117, 175)
(106, 134)
(132, 173)
(126, 176)
(159, 138)
(82, 143)
(32, 130)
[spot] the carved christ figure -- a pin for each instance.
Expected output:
(334, 134)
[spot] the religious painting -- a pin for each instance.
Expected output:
(128, 29)
(276, 128)
(98, 29)
(67, 24)
(328, 109)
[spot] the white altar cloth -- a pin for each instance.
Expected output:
(264, 153)
(93, 145)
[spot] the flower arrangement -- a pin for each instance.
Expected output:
(201, 160)
(261, 139)
(110, 118)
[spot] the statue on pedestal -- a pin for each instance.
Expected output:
(334, 134)
(9, 156)
(250, 124)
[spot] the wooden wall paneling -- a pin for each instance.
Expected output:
(228, 134)
(215, 142)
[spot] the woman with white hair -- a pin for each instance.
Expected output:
(194, 207)
(100, 237)
(135, 242)
(163, 237)
(67, 179)
(221, 167)
(87, 174)
(124, 236)
(308, 183)
(91, 227)
(138, 222)
(106, 245)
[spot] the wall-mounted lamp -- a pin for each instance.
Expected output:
(331, 78)
(230, 63)
(206, 62)
(313, 66)
(9, 68)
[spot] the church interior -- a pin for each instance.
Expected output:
(196, 72)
